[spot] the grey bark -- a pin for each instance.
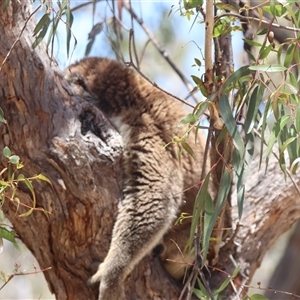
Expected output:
(287, 273)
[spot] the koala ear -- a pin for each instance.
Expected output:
(160, 249)
(77, 83)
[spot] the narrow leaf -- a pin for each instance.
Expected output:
(224, 189)
(236, 76)
(200, 200)
(268, 68)
(253, 106)
(44, 178)
(226, 114)
(8, 235)
(43, 23)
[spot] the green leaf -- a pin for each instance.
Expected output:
(236, 76)
(279, 53)
(265, 51)
(41, 29)
(226, 7)
(53, 30)
(289, 55)
(6, 152)
(293, 165)
(293, 79)
(200, 84)
(200, 294)
(4, 184)
(268, 68)
(219, 30)
(69, 22)
(285, 145)
(39, 38)
(262, 32)
(230, 123)
(227, 281)
(2, 120)
(28, 184)
(277, 128)
(253, 106)
(188, 119)
(297, 119)
(43, 22)
(8, 235)
(201, 198)
(188, 4)
(276, 10)
(258, 297)
(188, 149)
(20, 177)
(252, 43)
(198, 62)
(30, 187)
(14, 159)
(89, 47)
(224, 189)
(44, 178)
(293, 148)
(201, 107)
(208, 214)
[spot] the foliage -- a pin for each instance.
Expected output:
(60, 14)
(251, 106)
(10, 179)
(259, 98)
(264, 111)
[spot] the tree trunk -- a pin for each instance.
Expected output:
(287, 273)
(44, 129)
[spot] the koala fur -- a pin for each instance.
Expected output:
(154, 178)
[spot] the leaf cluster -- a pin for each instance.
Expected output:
(10, 179)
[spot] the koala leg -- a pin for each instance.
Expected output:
(139, 227)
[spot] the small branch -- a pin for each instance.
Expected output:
(160, 49)
(267, 22)
(18, 39)
(133, 39)
(22, 274)
(209, 27)
(131, 64)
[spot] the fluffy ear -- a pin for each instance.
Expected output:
(77, 83)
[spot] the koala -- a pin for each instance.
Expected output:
(157, 185)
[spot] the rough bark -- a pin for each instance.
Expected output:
(287, 273)
(45, 131)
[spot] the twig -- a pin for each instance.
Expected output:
(82, 5)
(267, 22)
(131, 64)
(21, 274)
(209, 27)
(18, 39)
(133, 40)
(160, 49)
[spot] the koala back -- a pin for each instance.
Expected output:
(157, 185)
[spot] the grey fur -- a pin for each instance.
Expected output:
(154, 178)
